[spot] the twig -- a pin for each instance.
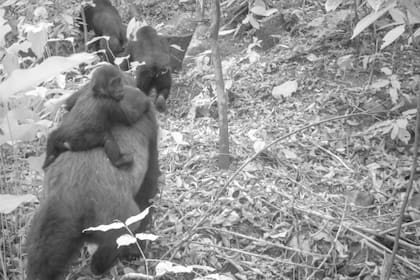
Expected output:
(134, 275)
(84, 27)
(332, 244)
(374, 244)
(382, 249)
(223, 188)
(275, 260)
(402, 226)
(262, 241)
(409, 188)
(334, 156)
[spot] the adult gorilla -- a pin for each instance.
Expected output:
(84, 189)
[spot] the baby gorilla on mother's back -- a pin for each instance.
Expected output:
(83, 130)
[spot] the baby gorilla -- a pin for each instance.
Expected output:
(83, 130)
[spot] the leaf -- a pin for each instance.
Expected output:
(395, 83)
(270, 12)
(4, 28)
(125, 240)
(258, 146)
(67, 18)
(146, 236)
(392, 35)
(217, 276)
(399, 129)
(413, 11)
(96, 39)
(289, 154)
(137, 218)
(10, 63)
(380, 84)
(397, 15)
(165, 267)
(24, 79)
(258, 10)
(386, 71)
(132, 27)
(375, 4)
(259, 3)
(416, 33)
(114, 225)
(285, 90)
(312, 57)
(404, 135)
(178, 138)
(331, 5)
(393, 93)
(253, 56)
(344, 62)
(371, 18)
(38, 36)
(177, 47)
(253, 22)
(9, 202)
(41, 11)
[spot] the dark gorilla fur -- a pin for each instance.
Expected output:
(84, 129)
(83, 190)
(153, 51)
(107, 82)
(105, 20)
(69, 103)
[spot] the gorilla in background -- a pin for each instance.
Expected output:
(84, 190)
(105, 20)
(152, 52)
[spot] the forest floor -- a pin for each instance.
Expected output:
(315, 205)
